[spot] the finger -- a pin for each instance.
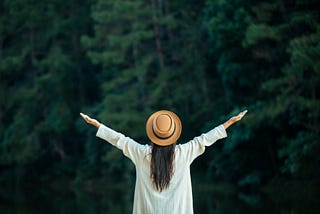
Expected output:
(243, 113)
(85, 117)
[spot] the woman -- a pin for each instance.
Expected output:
(163, 181)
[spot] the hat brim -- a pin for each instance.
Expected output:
(168, 141)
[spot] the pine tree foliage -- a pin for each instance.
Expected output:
(121, 60)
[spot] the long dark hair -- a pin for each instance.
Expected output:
(161, 168)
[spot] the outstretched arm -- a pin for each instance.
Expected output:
(234, 119)
(89, 120)
(129, 147)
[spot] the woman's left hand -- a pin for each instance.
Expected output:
(90, 120)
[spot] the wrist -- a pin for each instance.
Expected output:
(228, 123)
(97, 124)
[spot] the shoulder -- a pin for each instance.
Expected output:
(181, 148)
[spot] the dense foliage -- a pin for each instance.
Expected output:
(120, 60)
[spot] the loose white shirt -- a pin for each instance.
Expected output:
(177, 198)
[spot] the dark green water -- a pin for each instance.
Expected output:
(115, 200)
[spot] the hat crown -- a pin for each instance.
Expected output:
(163, 126)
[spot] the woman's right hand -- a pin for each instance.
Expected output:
(90, 120)
(239, 116)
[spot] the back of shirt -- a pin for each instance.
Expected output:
(177, 198)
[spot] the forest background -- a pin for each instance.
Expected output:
(120, 60)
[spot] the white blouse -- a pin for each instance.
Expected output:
(177, 198)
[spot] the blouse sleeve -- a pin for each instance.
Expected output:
(129, 147)
(196, 147)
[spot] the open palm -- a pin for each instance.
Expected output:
(239, 116)
(90, 120)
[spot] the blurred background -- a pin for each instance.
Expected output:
(120, 60)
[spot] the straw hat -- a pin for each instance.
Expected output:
(163, 128)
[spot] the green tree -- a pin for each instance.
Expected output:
(149, 60)
(267, 55)
(42, 78)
